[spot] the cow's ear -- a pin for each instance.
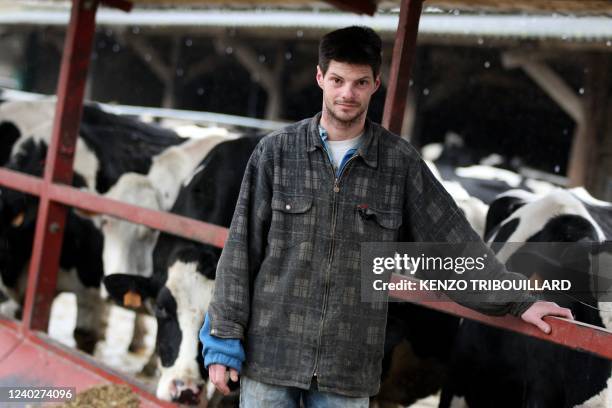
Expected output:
(129, 290)
(207, 263)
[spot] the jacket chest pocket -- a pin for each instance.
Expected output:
(293, 220)
(377, 225)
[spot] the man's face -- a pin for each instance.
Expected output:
(347, 89)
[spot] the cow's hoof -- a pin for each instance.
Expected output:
(85, 340)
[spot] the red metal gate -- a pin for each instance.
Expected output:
(30, 357)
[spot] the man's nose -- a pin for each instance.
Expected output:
(347, 92)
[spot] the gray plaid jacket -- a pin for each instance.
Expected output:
(288, 281)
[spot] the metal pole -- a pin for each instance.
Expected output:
(401, 63)
(51, 220)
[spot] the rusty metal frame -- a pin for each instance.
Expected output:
(404, 49)
(55, 193)
(51, 218)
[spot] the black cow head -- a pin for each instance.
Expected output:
(567, 248)
(18, 214)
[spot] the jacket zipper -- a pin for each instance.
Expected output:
(336, 190)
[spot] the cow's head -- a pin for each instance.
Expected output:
(503, 207)
(17, 224)
(180, 300)
(555, 237)
(18, 215)
(128, 247)
(18, 212)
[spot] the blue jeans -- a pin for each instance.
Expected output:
(254, 394)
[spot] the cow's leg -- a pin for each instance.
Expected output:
(140, 331)
(92, 318)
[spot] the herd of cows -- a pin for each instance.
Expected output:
(473, 365)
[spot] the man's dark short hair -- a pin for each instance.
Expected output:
(353, 45)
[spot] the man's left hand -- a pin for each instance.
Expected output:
(538, 310)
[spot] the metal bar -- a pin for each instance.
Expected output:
(575, 335)
(119, 4)
(401, 64)
(32, 358)
(182, 114)
(51, 218)
(356, 6)
(172, 223)
(85, 362)
(21, 182)
(93, 203)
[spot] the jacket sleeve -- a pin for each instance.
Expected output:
(227, 352)
(431, 215)
(243, 251)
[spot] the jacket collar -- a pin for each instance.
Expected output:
(368, 150)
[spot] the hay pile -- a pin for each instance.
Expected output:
(104, 396)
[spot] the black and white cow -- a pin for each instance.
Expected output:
(475, 183)
(491, 367)
(184, 271)
(107, 146)
(483, 177)
(129, 247)
(80, 260)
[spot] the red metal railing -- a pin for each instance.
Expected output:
(55, 194)
(572, 334)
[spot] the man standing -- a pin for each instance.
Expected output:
(286, 302)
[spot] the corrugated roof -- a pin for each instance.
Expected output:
(587, 28)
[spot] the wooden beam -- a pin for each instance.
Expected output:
(356, 6)
(148, 54)
(269, 78)
(550, 82)
(401, 64)
(584, 160)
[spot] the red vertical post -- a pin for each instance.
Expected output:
(401, 64)
(44, 264)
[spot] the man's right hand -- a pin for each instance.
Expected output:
(219, 376)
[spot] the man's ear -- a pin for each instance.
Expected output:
(377, 83)
(320, 77)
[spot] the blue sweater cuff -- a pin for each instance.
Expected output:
(227, 352)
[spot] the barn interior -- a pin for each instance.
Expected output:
(528, 80)
(524, 92)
